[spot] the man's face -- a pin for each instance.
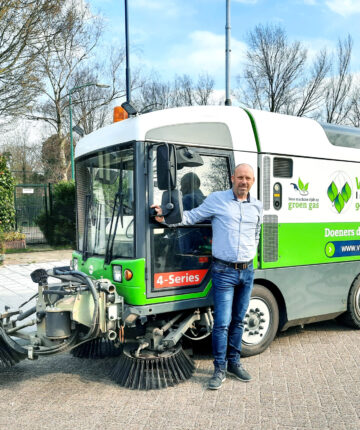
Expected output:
(242, 180)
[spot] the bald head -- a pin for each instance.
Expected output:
(244, 165)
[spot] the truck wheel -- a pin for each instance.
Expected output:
(352, 316)
(261, 322)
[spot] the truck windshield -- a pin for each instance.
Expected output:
(105, 203)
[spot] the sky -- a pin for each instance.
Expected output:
(176, 37)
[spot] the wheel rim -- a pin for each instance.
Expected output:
(357, 302)
(257, 321)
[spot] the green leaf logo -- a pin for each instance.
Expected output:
(346, 192)
(339, 203)
(303, 188)
(332, 191)
(301, 185)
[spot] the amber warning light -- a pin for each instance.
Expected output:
(120, 114)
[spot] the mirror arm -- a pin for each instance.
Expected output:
(169, 206)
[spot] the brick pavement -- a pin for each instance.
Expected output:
(308, 379)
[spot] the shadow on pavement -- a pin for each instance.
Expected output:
(88, 370)
(83, 371)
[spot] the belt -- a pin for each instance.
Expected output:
(238, 266)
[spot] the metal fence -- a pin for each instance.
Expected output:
(30, 201)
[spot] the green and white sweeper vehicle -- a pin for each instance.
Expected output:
(136, 288)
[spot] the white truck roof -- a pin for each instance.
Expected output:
(224, 127)
(297, 136)
(216, 126)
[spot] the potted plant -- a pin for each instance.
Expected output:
(15, 240)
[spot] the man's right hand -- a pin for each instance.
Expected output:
(159, 218)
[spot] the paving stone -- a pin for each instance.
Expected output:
(307, 379)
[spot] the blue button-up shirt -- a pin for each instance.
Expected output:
(235, 224)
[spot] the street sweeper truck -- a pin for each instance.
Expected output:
(136, 289)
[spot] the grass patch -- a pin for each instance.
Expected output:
(37, 248)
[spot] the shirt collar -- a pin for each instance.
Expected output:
(247, 198)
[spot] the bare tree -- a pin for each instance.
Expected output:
(337, 103)
(204, 88)
(24, 157)
(21, 40)
(90, 104)
(155, 94)
(276, 77)
(77, 35)
(273, 68)
(354, 113)
(310, 95)
(68, 58)
(183, 91)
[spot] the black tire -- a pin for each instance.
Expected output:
(352, 316)
(261, 322)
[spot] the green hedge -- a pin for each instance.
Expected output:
(59, 226)
(7, 208)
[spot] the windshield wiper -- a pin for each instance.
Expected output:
(88, 203)
(118, 208)
(98, 225)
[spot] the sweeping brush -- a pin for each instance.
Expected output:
(10, 352)
(97, 348)
(152, 370)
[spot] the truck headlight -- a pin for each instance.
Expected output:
(117, 273)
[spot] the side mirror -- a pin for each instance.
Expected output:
(172, 207)
(187, 157)
(166, 167)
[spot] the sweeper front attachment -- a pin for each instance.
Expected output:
(157, 359)
(10, 352)
(97, 348)
(152, 370)
(73, 312)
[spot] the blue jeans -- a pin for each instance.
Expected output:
(231, 291)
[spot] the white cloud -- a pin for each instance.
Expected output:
(205, 52)
(344, 7)
(314, 46)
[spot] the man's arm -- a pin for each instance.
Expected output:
(198, 214)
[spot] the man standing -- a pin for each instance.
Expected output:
(236, 219)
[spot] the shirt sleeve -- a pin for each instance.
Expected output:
(201, 213)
